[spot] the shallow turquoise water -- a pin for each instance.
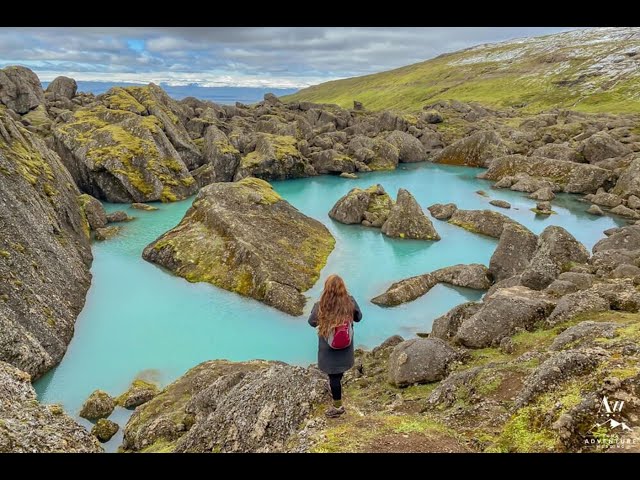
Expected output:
(141, 321)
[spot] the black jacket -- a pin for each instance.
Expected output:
(330, 360)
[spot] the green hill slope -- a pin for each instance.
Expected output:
(595, 70)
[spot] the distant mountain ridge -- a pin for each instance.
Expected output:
(593, 70)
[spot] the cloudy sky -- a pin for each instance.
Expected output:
(235, 56)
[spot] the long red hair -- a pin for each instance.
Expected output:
(335, 306)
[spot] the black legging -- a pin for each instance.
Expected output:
(335, 382)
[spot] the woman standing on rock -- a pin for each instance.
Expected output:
(333, 315)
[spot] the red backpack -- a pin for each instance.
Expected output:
(341, 336)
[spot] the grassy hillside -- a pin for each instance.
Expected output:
(596, 70)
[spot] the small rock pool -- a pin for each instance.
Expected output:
(140, 321)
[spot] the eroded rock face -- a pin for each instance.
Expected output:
(476, 150)
(20, 89)
(485, 222)
(419, 360)
(573, 177)
(474, 276)
(245, 238)
(515, 250)
(506, 311)
(44, 251)
(130, 147)
(27, 426)
(407, 220)
(220, 406)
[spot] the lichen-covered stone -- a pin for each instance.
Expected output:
(107, 233)
(104, 429)
(143, 206)
(601, 145)
(27, 426)
(221, 406)
(500, 203)
(245, 238)
(118, 216)
(476, 150)
(410, 149)
(139, 392)
(442, 211)
(99, 405)
(407, 220)
(446, 326)
(94, 211)
(372, 205)
(515, 250)
(46, 253)
(629, 182)
(223, 157)
(485, 222)
(20, 89)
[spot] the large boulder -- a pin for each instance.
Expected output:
(245, 238)
(574, 177)
(446, 326)
(27, 426)
(584, 301)
(507, 311)
(556, 252)
(485, 222)
(332, 161)
(627, 238)
(410, 149)
(385, 155)
(559, 151)
(45, 253)
(407, 220)
(476, 150)
(130, 147)
(276, 157)
(20, 89)
(105, 429)
(221, 406)
(442, 211)
(62, 87)
(223, 157)
(629, 182)
(583, 332)
(475, 276)
(371, 206)
(605, 199)
(601, 145)
(419, 360)
(139, 392)
(515, 250)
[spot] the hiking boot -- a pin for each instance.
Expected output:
(333, 412)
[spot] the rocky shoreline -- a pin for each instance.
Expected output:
(523, 370)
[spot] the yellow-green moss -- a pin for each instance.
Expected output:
(161, 445)
(120, 99)
(5, 254)
(167, 195)
(266, 191)
(226, 148)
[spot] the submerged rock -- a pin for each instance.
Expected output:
(372, 205)
(104, 429)
(143, 206)
(221, 406)
(485, 222)
(27, 426)
(500, 203)
(44, 251)
(475, 276)
(99, 405)
(419, 360)
(407, 220)
(245, 238)
(595, 210)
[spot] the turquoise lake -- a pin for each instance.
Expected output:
(140, 321)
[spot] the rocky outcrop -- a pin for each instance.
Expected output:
(419, 360)
(573, 177)
(370, 207)
(62, 88)
(20, 89)
(507, 311)
(407, 220)
(44, 251)
(223, 157)
(131, 147)
(220, 406)
(245, 238)
(557, 250)
(275, 157)
(476, 150)
(515, 250)
(473, 276)
(442, 211)
(99, 405)
(27, 426)
(485, 222)
(139, 392)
